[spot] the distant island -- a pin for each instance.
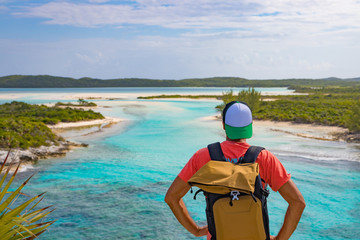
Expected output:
(45, 81)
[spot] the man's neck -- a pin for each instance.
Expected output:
(242, 140)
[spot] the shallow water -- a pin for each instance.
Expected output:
(114, 189)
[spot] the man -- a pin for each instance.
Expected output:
(237, 123)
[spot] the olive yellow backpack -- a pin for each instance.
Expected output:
(236, 202)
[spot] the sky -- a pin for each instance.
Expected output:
(178, 39)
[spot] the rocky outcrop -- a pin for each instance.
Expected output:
(34, 154)
(348, 137)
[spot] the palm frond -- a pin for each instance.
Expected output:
(20, 222)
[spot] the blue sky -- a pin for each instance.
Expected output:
(177, 39)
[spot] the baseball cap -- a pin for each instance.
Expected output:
(237, 119)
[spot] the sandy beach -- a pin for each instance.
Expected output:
(113, 95)
(313, 131)
(101, 122)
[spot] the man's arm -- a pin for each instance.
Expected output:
(293, 196)
(174, 199)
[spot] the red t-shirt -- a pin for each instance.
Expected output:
(271, 169)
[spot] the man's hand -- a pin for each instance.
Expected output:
(272, 237)
(202, 231)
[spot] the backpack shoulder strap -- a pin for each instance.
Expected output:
(215, 152)
(252, 153)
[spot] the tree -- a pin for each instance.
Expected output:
(82, 101)
(353, 119)
(251, 97)
(226, 98)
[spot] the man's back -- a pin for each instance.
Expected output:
(271, 169)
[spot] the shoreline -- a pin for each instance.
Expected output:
(304, 130)
(28, 157)
(102, 122)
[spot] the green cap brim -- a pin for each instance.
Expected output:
(238, 132)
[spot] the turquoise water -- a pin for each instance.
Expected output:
(114, 189)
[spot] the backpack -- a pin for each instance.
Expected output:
(236, 202)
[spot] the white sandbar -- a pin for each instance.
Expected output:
(105, 121)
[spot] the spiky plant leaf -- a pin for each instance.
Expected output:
(3, 165)
(19, 223)
(14, 194)
(31, 231)
(37, 215)
(16, 211)
(21, 231)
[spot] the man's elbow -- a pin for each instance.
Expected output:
(169, 199)
(300, 202)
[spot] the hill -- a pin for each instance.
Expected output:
(46, 81)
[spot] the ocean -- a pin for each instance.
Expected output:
(115, 188)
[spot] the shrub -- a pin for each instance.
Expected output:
(22, 125)
(250, 96)
(353, 119)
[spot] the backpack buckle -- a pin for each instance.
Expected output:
(234, 195)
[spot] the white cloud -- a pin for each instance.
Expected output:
(86, 15)
(279, 18)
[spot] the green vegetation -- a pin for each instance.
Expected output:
(334, 89)
(250, 96)
(324, 106)
(19, 221)
(81, 103)
(25, 133)
(47, 115)
(318, 109)
(353, 119)
(45, 81)
(22, 125)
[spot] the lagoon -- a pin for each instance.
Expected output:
(114, 189)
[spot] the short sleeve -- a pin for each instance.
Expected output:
(199, 159)
(272, 170)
